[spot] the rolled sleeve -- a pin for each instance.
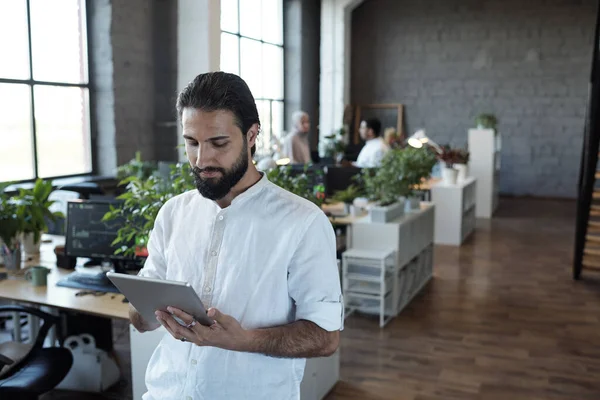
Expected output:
(313, 277)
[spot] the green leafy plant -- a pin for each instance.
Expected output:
(414, 165)
(487, 121)
(348, 195)
(33, 209)
(298, 183)
(141, 202)
(386, 184)
(334, 145)
(10, 223)
(136, 167)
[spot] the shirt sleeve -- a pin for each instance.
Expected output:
(314, 279)
(155, 265)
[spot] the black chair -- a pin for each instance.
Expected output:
(41, 369)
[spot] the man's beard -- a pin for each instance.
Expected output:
(217, 188)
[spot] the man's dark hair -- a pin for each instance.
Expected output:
(221, 91)
(374, 124)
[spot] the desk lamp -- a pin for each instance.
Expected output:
(419, 138)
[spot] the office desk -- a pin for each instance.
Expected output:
(16, 288)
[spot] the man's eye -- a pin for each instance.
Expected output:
(192, 142)
(220, 144)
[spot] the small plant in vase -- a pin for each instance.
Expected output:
(415, 166)
(448, 156)
(461, 164)
(486, 121)
(347, 197)
(10, 231)
(34, 210)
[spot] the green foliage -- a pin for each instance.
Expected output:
(136, 167)
(334, 145)
(348, 195)
(297, 183)
(141, 203)
(487, 121)
(400, 171)
(10, 224)
(414, 165)
(33, 208)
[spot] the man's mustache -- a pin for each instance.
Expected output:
(197, 170)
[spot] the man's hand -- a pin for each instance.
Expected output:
(298, 339)
(225, 333)
(140, 323)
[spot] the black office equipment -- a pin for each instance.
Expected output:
(88, 236)
(339, 178)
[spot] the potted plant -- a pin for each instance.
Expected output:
(10, 230)
(347, 197)
(141, 202)
(448, 157)
(461, 164)
(387, 187)
(34, 210)
(136, 167)
(298, 182)
(486, 121)
(415, 165)
(334, 146)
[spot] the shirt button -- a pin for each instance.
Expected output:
(214, 253)
(208, 289)
(220, 218)
(194, 362)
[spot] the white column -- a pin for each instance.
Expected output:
(335, 62)
(198, 42)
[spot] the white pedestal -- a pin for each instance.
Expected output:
(484, 165)
(455, 211)
(410, 239)
(320, 374)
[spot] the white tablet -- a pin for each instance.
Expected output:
(148, 295)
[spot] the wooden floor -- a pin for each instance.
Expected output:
(502, 319)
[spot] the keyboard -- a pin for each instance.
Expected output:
(77, 280)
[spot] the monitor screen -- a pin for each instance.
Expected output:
(87, 235)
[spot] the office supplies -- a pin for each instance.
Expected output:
(164, 293)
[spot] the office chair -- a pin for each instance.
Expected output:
(28, 371)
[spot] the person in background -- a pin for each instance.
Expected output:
(295, 145)
(375, 147)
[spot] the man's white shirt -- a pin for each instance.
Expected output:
(267, 260)
(372, 153)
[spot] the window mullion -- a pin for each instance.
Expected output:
(31, 87)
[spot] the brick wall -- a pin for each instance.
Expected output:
(133, 74)
(528, 62)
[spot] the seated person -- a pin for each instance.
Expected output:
(375, 147)
(295, 145)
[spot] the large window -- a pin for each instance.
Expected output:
(44, 108)
(252, 47)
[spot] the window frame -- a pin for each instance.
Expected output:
(32, 83)
(239, 37)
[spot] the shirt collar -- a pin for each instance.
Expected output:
(252, 190)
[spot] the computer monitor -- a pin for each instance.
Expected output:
(339, 178)
(88, 236)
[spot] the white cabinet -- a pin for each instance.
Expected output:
(388, 263)
(484, 164)
(455, 211)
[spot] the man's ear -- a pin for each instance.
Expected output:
(251, 135)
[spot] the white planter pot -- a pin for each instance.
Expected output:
(463, 172)
(29, 246)
(384, 214)
(412, 203)
(355, 211)
(449, 176)
(12, 259)
(347, 208)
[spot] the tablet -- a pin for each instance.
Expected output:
(148, 295)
